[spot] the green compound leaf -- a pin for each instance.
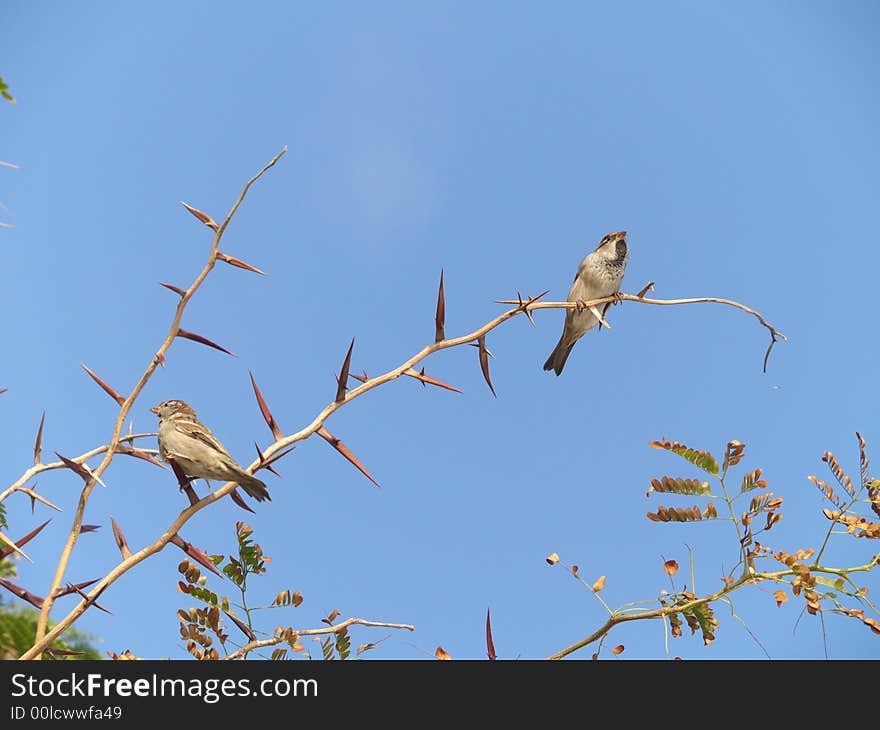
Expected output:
(702, 459)
(4, 91)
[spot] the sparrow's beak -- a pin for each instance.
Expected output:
(155, 409)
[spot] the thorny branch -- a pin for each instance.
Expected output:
(775, 334)
(685, 603)
(44, 638)
(752, 577)
(286, 441)
(335, 629)
(18, 484)
(126, 404)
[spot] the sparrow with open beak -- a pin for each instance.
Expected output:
(599, 275)
(197, 451)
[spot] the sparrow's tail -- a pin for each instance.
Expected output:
(253, 486)
(560, 354)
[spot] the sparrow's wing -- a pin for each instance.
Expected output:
(584, 272)
(202, 433)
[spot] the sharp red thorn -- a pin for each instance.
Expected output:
(203, 217)
(183, 481)
(88, 600)
(121, 542)
(440, 316)
(490, 645)
(176, 289)
(24, 595)
(344, 450)
(107, 389)
(203, 340)
(484, 363)
(236, 497)
(38, 444)
(342, 380)
(6, 551)
(198, 555)
(264, 409)
(232, 261)
(245, 629)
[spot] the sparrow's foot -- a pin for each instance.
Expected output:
(618, 298)
(580, 305)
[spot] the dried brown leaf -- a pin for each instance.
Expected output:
(618, 649)
(838, 473)
(677, 485)
(733, 453)
(599, 584)
(552, 559)
(781, 597)
(442, 654)
(683, 514)
(670, 567)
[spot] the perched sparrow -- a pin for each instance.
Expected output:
(599, 275)
(197, 451)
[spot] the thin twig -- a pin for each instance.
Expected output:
(81, 459)
(619, 618)
(337, 628)
(775, 334)
(159, 357)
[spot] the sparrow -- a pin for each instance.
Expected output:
(197, 451)
(599, 275)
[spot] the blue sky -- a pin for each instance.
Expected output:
(499, 141)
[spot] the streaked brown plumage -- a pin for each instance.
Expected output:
(197, 451)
